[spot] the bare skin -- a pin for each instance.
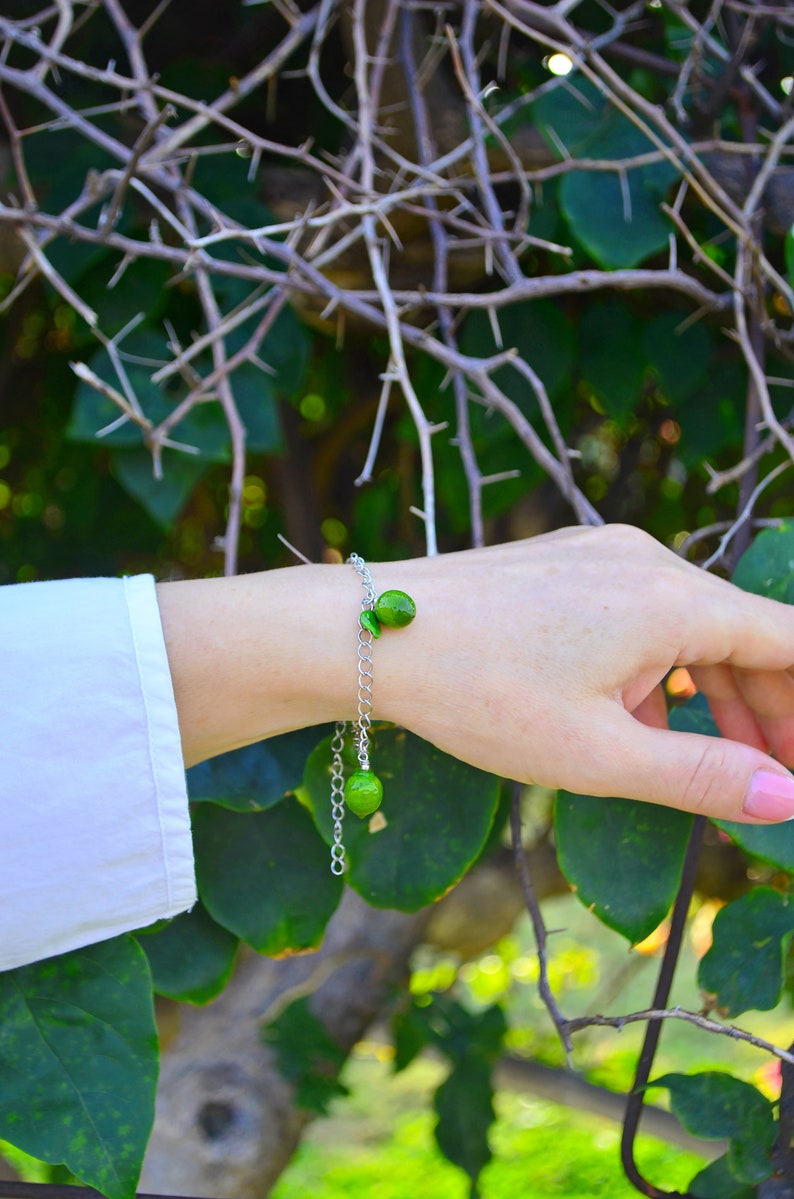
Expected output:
(539, 660)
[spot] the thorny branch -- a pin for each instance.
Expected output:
(677, 1013)
(446, 176)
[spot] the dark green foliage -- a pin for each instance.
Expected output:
(543, 334)
(471, 1041)
(438, 814)
(679, 355)
(773, 843)
(616, 383)
(257, 776)
(694, 717)
(464, 1106)
(307, 1056)
(265, 876)
(716, 1105)
(190, 957)
(717, 1182)
(619, 225)
(410, 1035)
(767, 568)
(710, 417)
(202, 434)
(609, 853)
(78, 1062)
(163, 499)
(744, 967)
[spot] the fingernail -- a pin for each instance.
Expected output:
(770, 796)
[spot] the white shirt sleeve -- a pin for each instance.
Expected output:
(95, 833)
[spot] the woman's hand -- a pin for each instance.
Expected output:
(540, 660)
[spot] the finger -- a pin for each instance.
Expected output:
(767, 692)
(756, 707)
(732, 715)
(653, 710)
(744, 630)
(779, 736)
(770, 695)
(713, 776)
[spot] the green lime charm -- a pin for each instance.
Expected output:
(369, 621)
(363, 792)
(395, 609)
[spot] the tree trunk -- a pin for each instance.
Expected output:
(226, 1124)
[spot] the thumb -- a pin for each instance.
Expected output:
(711, 776)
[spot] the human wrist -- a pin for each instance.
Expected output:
(258, 655)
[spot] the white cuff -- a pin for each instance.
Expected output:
(96, 831)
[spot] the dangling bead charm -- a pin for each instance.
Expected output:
(363, 792)
(369, 621)
(395, 609)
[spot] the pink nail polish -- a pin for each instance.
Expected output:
(770, 796)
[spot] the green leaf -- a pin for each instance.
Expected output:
(257, 776)
(307, 1055)
(78, 1060)
(714, 1105)
(711, 416)
(773, 843)
(464, 1105)
(410, 1035)
(572, 117)
(617, 232)
(680, 357)
(163, 498)
(717, 1182)
(204, 428)
(611, 359)
(59, 160)
(744, 966)
(92, 411)
(461, 1034)
(788, 246)
(694, 717)
(608, 850)
(617, 220)
(265, 876)
(438, 814)
(767, 567)
(256, 403)
(191, 957)
(544, 337)
(143, 288)
(286, 350)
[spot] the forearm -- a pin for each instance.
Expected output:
(259, 654)
(539, 661)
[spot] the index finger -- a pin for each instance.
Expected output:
(746, 631)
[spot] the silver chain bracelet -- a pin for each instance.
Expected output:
(362, 792)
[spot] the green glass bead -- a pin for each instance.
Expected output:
(369, 621)
(395, 609)
(363, 792)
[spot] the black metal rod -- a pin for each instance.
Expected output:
(661, 996)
